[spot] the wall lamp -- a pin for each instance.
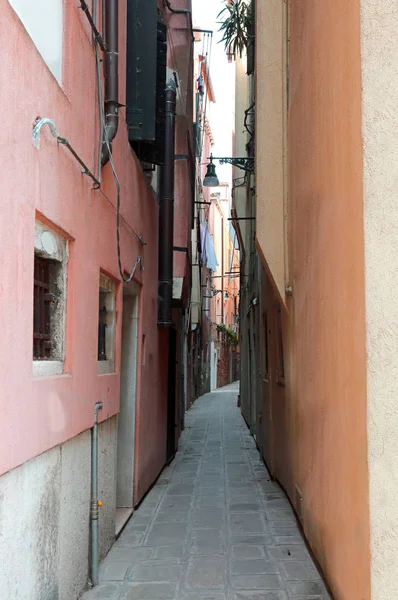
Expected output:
(241, 162)
(215, 292)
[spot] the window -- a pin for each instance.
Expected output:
(42, 20)
(106, 325)
(49, 301)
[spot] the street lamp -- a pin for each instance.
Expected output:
(246, 163)
(211, 179)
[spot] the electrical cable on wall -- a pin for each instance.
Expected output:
(104, 138)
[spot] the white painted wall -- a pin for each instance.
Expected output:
(44, 518)
(42, 20)
(379, 26)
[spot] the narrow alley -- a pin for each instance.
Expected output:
(214, 527)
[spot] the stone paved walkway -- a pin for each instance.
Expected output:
(214, 527)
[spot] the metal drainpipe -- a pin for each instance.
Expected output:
(166, 213)
(111, 15)
(94, 498)
(181, 11)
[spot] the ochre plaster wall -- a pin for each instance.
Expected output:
(269, 89)
(324, 420)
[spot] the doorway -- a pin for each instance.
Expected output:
(126, 420)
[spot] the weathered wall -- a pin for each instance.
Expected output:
(48, 183)
(319, 422)
(44, 518)
(270, 179)
(379, 44)
(326, 420)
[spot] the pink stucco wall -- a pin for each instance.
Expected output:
(37, 413)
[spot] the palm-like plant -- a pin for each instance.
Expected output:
(236, 26)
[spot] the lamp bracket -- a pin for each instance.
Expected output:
(241, 162)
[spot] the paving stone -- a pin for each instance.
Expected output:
(208, 595)
(128, 539)
(251, 595)
(113, 571)
(162, 534)
(156, 570)
(246, 523)
(207, 541)
(108, 591)
(256, 566)
(130, 555)
(289, 552)
(169, 552)
(210, 502)
(257, 582)
(180, 488)
(204, 518)
(298, 589)
(206, 572)
(150, 591)
(299, 570)
(247, 551)
(245, 507)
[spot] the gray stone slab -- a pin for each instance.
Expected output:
(257, 582)
(169, 552)
(207, 595)
(205, 518)
(289, 552)
(129, 539)
(257, 566)
(150, 591)
(299, 570)
(130, 555)
(252, 595)
(247, 551)
(113, 571)
(207, 541)
(206, 572)
(162, 534)
(108, 591)
(246, 523)
(171, 516)
(298, 589)
(245, 507)
(156, 571)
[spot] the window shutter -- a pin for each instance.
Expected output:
(146, 80)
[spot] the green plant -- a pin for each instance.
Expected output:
(236, 26)
(229, 333)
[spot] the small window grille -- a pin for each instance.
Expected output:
(42, 315)
(106, 325)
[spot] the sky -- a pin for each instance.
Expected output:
(223, 78)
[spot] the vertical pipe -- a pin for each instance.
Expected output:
(94, 498)
(111, 28)
(166, 213)
(222, 269)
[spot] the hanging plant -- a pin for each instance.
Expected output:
(230, 335)
(236, 26)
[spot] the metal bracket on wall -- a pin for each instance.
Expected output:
(288, 290)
